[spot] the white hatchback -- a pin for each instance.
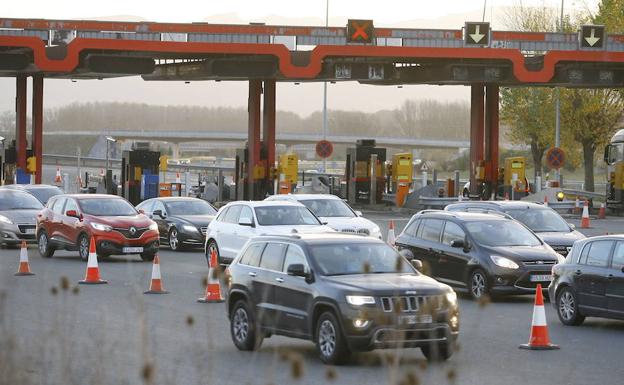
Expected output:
(237, 222)
(335, 212)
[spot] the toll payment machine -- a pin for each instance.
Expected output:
(401, 176)
(515, 183)
(253, 184)
(288, 173)
(139, 174)
(360, 172)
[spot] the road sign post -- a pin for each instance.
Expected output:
(592, 36)
(477, 34)
(555, 158)
(324, 149)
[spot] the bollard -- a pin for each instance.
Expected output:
(373, 180)
(458, 189)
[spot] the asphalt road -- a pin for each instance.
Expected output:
(114, 334)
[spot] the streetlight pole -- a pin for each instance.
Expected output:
(558, 105)
(325, 91)
(109, 139)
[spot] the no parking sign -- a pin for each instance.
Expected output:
(555, 158)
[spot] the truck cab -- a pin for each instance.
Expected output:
(614, 157)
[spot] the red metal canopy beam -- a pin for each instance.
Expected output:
(491, 135)
(268, 131)
(20, 122)
(476, 134)
(253, 135)
(37, 124)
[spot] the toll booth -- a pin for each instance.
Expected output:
(262, 185)
(358, 171)
(139, 174)
(515, 183)
(288, 173)
(402, 176)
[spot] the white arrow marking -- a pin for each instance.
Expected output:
(592, 39)
(477, 36)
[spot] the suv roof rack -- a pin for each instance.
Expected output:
(486, 211)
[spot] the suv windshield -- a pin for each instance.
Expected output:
(285, 216)
(541, 220)
(190, 207)
(44, 194)
(359, 258)
(501, 233)
(107, 207)
(18, 201)
(329, 208)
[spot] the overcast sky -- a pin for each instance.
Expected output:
(304, 98)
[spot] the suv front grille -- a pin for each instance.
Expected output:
(361, 231)
(408, 304)
(23, 228)
(563, 250)
(126, 232)
(538, 263)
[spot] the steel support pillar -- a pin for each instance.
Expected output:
(268, 132)
(491, 136)
(37, 124)
(253, 138)
(20, 122)
(476, 135)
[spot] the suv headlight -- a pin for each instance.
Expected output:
(101, 227)
(153, 226)
(503, 262)
(189, 228)
(5, 220)
(359, 300)
(451, 297)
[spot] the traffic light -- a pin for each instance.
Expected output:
(31, 164)
(163, 162)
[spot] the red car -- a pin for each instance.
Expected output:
(69, 221)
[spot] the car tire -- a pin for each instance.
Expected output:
(567, 307)
(43, 244)
(330, 342)
(83, 247)
(244, 328)
(173, 241)
(212, 245)
(148, 256)
(478, 285)
(440, 351)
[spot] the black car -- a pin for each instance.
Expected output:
(485, 254)
(42, 192)
(544, 221)
(344, 292)
(591, 281)
(182, 222)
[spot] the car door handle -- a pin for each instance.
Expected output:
(610, 276)
(280, 280)
(252, 274)
(578, 272)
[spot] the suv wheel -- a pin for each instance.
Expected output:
(83, 247)
(441, 351)
(174, 242)
(567, 308)
(478, 284)
(43, 242)
(330, 343)
(243, 327)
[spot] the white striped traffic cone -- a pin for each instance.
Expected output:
(213, 288)
(391, 237)
(539, 339)
(585, 216)
(178, 180)
(156, 282)
(58, 179)
(24, 266)
(92, 277)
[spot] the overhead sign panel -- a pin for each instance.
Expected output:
(360, 31)
(592, 36)
(477, 34)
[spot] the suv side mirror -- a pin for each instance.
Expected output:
(246, 222)
(296, 269)
(572, 226)
(141, 211)
(358, 213)
(158, 213)
(417, 263)
(72, 213)
(458, 243)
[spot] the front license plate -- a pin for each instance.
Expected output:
(29, 231)
(131, 250)
(541, 278)
(415, 319)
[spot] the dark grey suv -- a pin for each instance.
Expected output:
(344, 292)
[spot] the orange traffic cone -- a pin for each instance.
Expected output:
(391, 237)
(539, 339)
(585, 216)
(58, 179)
(213, 288)
(545, 200)
(24, 266)
(178, 178)
(156, 283)
(93, 271)
(602, 213)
